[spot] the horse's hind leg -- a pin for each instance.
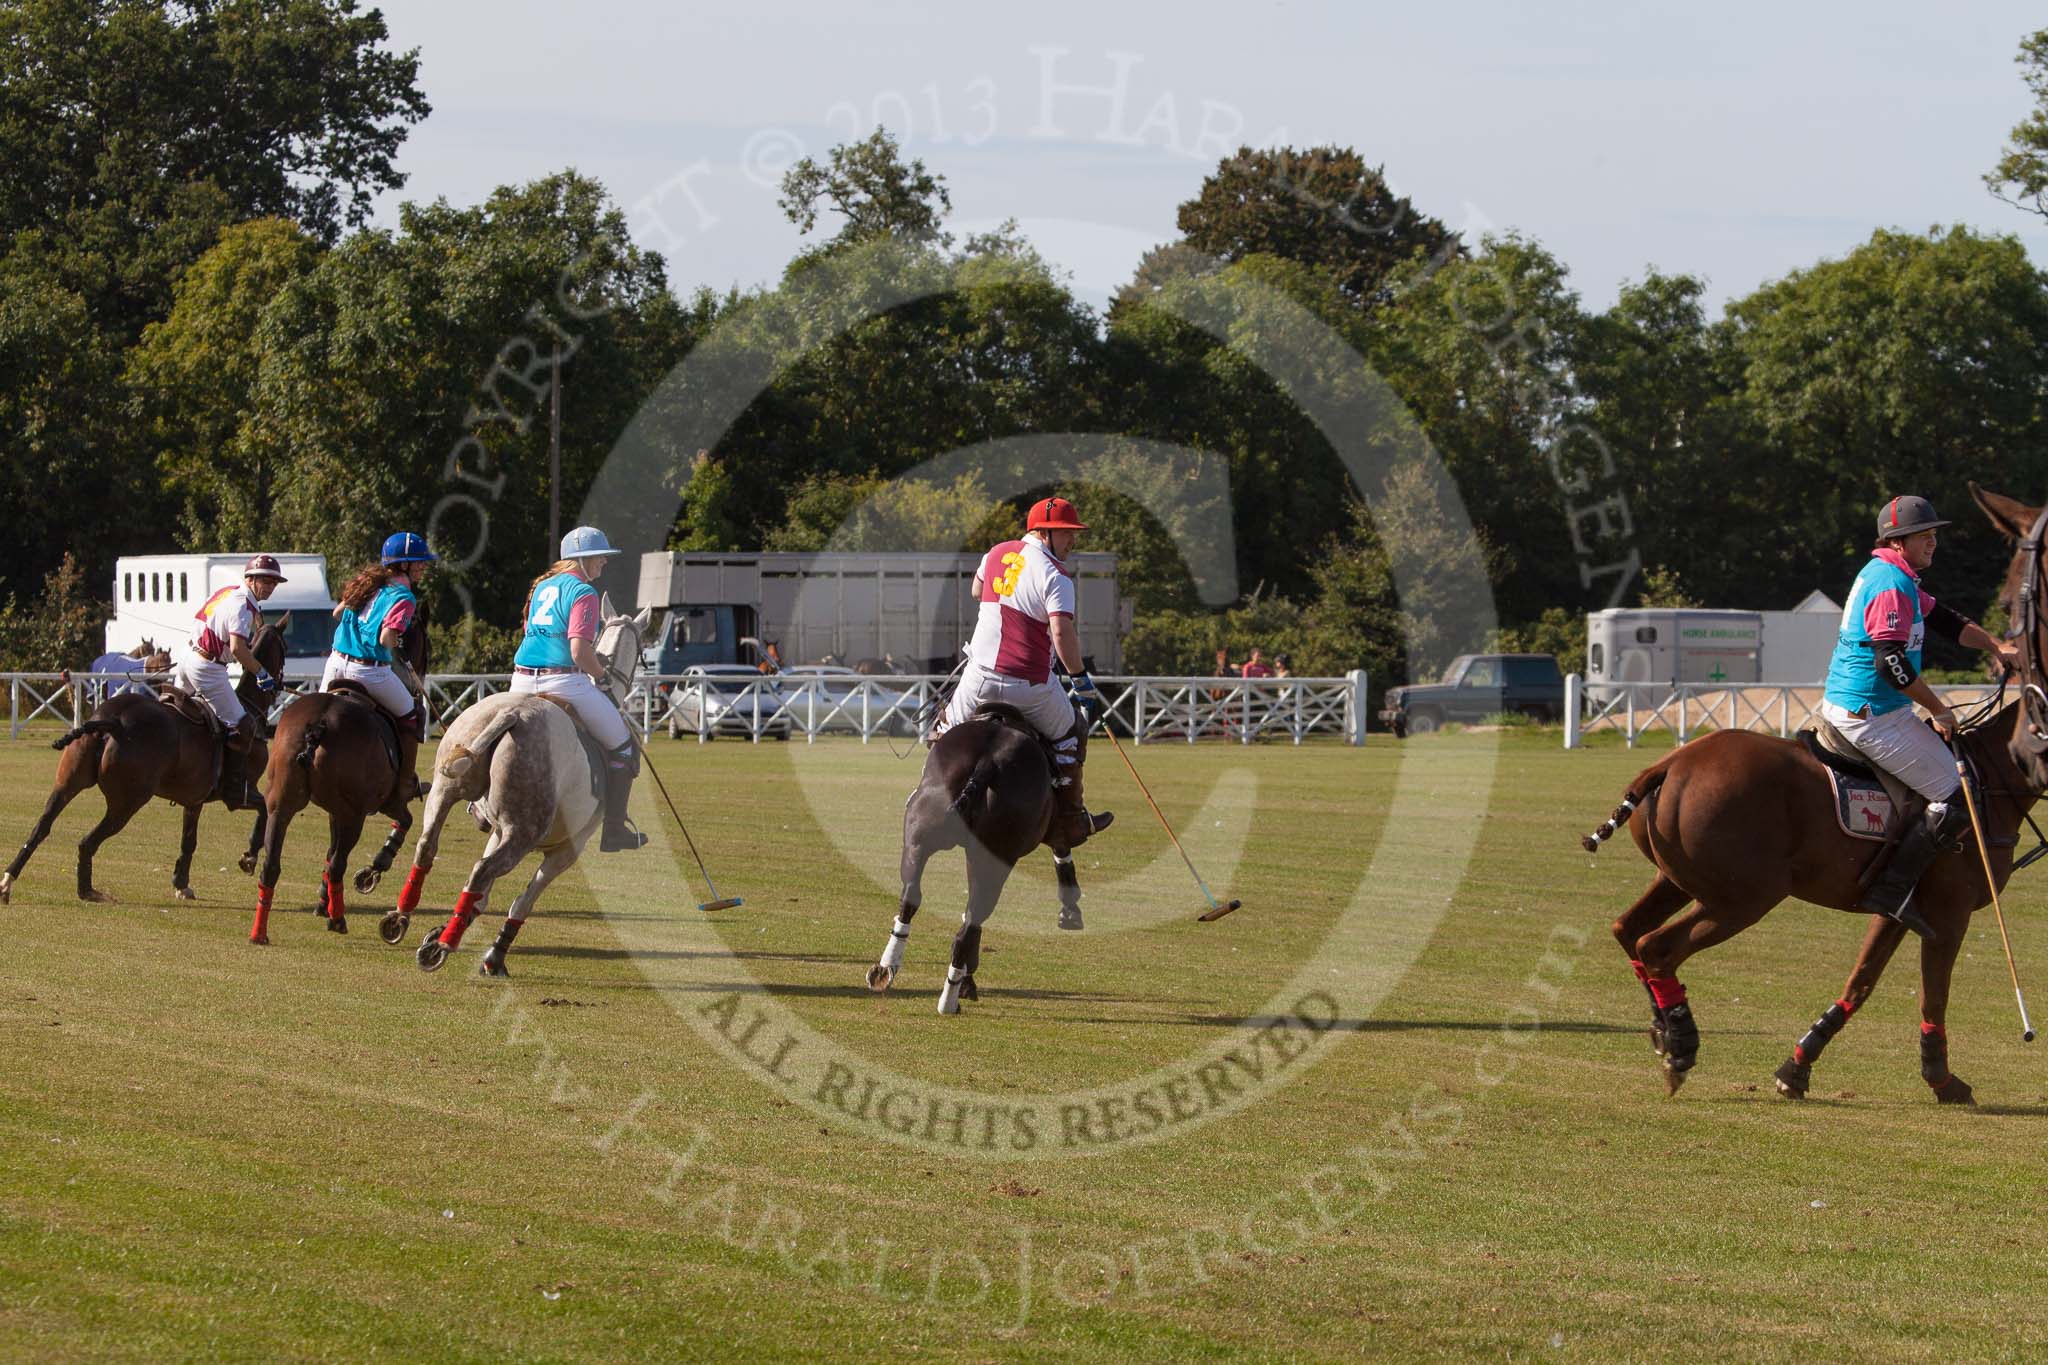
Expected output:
(553, 864)
(502, 853)
(72, 778)
(1070, 887)
(915, 856)
(121, 808)
(401, 821)
(1662, 951)
(344, 829)
(188, 840)
(986, 873)
(1663, 899)
(284, 800)
(1795, 1077)
(257, 829)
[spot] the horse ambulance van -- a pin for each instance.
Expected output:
(155, 597)
(1703, 645)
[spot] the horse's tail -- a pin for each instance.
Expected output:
(84, 731)
(1646, 782)
(311, 739)
(457, 759)
(978, 781)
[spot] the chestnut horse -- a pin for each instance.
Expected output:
(986, 787)
(135, 747)
(340, 751)
(1737, 821)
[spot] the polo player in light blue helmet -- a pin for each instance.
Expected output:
(558, 659)
(377, 607)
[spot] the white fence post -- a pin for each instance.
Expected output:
(1354, 709)
(1574, 689)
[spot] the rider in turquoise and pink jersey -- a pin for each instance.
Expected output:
(1873, 681)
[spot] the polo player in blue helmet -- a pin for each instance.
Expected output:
(376, 609)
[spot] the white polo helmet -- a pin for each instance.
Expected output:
(587, 542)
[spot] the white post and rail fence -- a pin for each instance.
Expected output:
(1683, 711)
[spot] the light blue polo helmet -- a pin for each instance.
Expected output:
(587, 542)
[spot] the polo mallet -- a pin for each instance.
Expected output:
(1215, 911)
(716, 902)
(1984, 853)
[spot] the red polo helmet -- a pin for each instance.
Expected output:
(1054, 514)
(263, 566)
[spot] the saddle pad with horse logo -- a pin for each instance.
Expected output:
(1863, 807)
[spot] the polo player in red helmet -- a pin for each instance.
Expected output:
(1026, 620)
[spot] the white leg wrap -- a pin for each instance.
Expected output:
(892, 952)
(949, 998)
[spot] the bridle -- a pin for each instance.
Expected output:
(2032, 737)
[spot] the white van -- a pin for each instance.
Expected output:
(155, 597)
(1702, 645)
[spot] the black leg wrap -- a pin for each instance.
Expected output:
(1824, 1028)
(1934, 1059)
(1681, 1038)
(507, 934)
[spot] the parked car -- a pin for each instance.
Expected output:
(827, 696)
(1474, 687)
(733, 699)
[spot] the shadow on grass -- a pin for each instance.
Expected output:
(1231, 1021)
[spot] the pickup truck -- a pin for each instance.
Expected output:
(1474, 687)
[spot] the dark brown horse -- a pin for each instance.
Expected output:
(343, 752)
(1736, 821)
(987, 787)
(135, 747)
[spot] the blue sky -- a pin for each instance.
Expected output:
(1737, 143)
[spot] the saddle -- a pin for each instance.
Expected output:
(593, 752)
(355, 692)
(1003, 714)
(191, 710)
(1868, 800)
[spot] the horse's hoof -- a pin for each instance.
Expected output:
(337, 924)
(6, 887)
(247, 862)
(880, 978)
(1674, 1077)
(1954, 1090)
(968, 990)
(259, 940)
(492, 965)
(431, 955)
(392, 927)
(367, 879)
(949, 1003)
(1070, 917)
(97, 897)
(1794, 1078)
(185, 893)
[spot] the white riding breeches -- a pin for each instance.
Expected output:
(376, 679)
(1046, 705)
(1903, 745)
(207, 680)
(582, 695)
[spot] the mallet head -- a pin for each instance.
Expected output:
(1218, 912)
(729, 903)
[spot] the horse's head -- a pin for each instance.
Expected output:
(618, 647)
(2021, 595)
(143, 650)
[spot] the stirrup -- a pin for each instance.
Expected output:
(625, 838)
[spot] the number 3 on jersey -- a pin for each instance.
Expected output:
(1013, 563)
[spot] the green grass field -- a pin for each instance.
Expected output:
(315, 1149)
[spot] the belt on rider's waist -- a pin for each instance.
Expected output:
(542, 672)
(359, 659)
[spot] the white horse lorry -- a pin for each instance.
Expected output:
(906, 612)
(1702, 645)
(155, 597)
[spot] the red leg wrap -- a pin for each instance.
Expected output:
(1666, 991)
(259, 932)
(458, 923)
(336, 908)
(1642, 972)
(409, 896)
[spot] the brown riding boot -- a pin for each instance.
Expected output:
(236, 790)
(1070, 754)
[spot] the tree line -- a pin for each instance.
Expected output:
(203, 346)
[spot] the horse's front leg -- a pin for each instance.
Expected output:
(1795, 1077)
(401, 821)
(915, 856)
(1937, 969)
(1070, 888)
(188, 840)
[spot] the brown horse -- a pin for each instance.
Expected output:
(135, 747)
(1736, 821)
(343, 752)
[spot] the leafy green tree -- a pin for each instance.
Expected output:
(872, 189)
(195, 374)
(2021, 176)
(63, 628)
(1322, 207)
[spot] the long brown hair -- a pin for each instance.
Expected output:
(368, 582)
(559, 566)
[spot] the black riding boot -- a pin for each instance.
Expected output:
(619, 833)
(1935, 831)
(1075, 821)
(236, 791)
(412, 728)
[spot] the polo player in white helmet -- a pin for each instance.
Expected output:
(228, 622)
(558, 659)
